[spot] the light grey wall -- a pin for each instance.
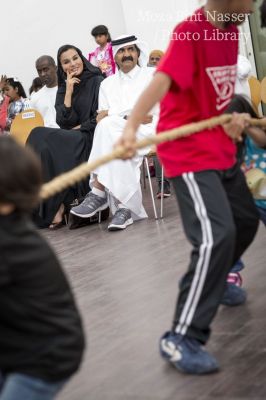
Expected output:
(154, 20)
(30, 28)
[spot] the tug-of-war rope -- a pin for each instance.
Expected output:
(81, 172)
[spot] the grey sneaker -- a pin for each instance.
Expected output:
(90, 206)
(121, 220)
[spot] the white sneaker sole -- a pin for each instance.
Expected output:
(103, 207)
(113, 227)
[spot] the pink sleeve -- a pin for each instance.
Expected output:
(90, 55)
(110, 50)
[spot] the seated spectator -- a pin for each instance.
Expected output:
(102, 56)
(120, 179)
(18, 101)
(35, 86)
(252, 149)
(63, 149)
(255, 156)
(234, 293)
(42, 340)
(154, 58)
(44, 99)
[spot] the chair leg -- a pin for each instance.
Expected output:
(151, 189)
(144, 176)
(100, 217)
(162, 190)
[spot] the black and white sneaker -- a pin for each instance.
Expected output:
(121, 220)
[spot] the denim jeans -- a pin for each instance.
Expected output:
(24, 387)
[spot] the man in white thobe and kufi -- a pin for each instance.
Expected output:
(117, 184)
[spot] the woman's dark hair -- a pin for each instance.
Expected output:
(101, 30)
(20, 175)
(36, 85)
(263, 14)
(16, 84)
(89, 69)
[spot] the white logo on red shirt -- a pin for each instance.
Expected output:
(223, 80)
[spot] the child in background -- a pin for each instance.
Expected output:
(255, 157)
(35, 86)
(18, 101)
(102, 56)
(252, 149)
(42, 341)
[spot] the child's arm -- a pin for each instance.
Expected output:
(151, 95)
(258, 135)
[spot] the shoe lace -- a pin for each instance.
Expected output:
(92, 199)
(122, 214)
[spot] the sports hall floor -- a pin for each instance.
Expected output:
(126, 286)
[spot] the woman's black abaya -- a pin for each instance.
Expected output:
(60, 150)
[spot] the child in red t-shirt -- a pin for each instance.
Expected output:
(195, 80)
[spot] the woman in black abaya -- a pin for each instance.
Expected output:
(62, 149)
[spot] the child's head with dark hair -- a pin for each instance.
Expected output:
(101, 34)
(36, 85)
(14, 89)
(263, 14)
(20, 176)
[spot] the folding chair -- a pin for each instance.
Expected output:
(152, 153)
(255, 91)
(23, 124)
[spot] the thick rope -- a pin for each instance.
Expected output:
(81, 172)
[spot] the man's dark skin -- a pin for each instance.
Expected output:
(46, 69)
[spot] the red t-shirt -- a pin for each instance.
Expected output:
(201, 60)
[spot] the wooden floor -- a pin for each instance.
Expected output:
(126, 286)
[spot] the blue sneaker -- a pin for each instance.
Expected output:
(237, 267)
(233, 295)
(187, 354)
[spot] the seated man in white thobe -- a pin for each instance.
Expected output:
(117, 184)
(44, 100)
